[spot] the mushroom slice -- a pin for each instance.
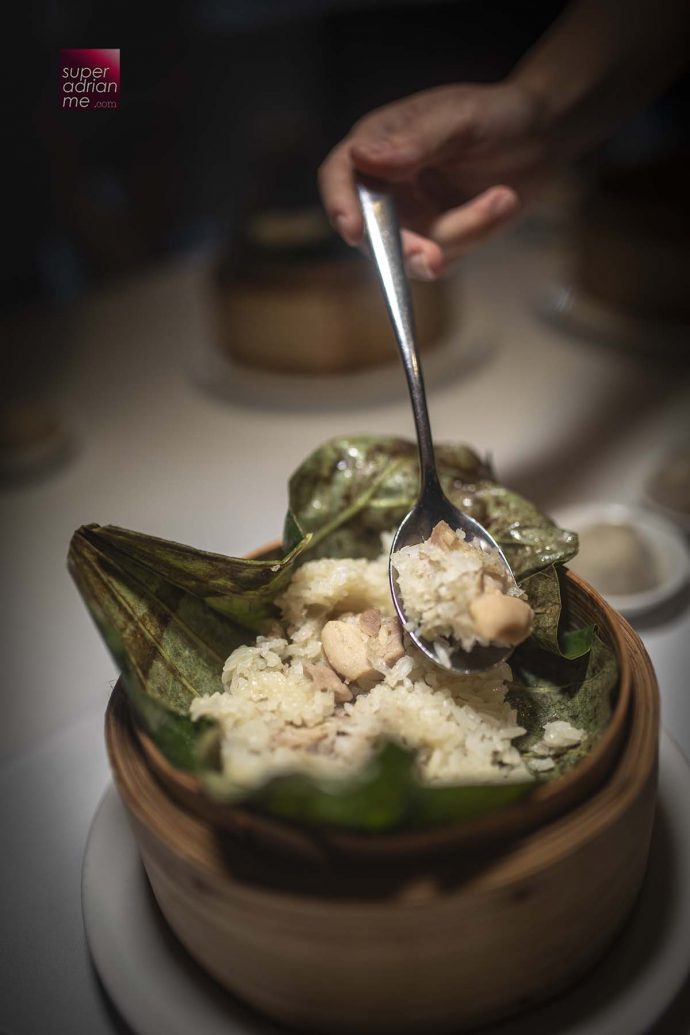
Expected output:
(443, 536)
(388, 645)
(324, 678)
(370, 621)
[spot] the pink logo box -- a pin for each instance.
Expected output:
(89, 79)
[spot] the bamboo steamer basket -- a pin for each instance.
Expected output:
(438, 942)
(302, 304)
(630, 240)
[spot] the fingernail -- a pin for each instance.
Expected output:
(341, 225)
(419, 268)
(501, 205)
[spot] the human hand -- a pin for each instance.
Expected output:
(460, 161)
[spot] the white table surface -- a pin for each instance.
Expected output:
(565, 422)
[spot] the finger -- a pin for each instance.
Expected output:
(423, 257)
(398, 142)
(462, 228)
(336, 184)
(384, 142)
(386, 159)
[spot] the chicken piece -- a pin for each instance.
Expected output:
(370, 621)
(501, 619)
(345, 646)
(388, 645)
(300, 736)
(325, 678)
(356, 650)
(443, 536)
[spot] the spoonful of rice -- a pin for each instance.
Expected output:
(452, 587)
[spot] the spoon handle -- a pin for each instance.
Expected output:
(383, 233)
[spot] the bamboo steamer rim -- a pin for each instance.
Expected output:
(543, 805)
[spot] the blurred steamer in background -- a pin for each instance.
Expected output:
(297, 301)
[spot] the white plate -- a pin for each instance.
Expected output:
(158, 988)
(663, 538)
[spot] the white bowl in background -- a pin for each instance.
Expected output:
(666, 543)
(676, 464)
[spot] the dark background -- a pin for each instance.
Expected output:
(226, 108)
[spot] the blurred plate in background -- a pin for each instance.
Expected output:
(572, 310)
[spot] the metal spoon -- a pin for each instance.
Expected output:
(432, 506)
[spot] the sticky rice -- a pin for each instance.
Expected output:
(453, 591)
(277, 715)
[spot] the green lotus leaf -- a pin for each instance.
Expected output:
(386, 795)
(170, 615)
(350, 490)
(560, 672)
(237, 587)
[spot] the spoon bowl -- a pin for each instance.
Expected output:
(418, 526)
(383, 235)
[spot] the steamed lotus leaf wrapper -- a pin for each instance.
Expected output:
(173, 615)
